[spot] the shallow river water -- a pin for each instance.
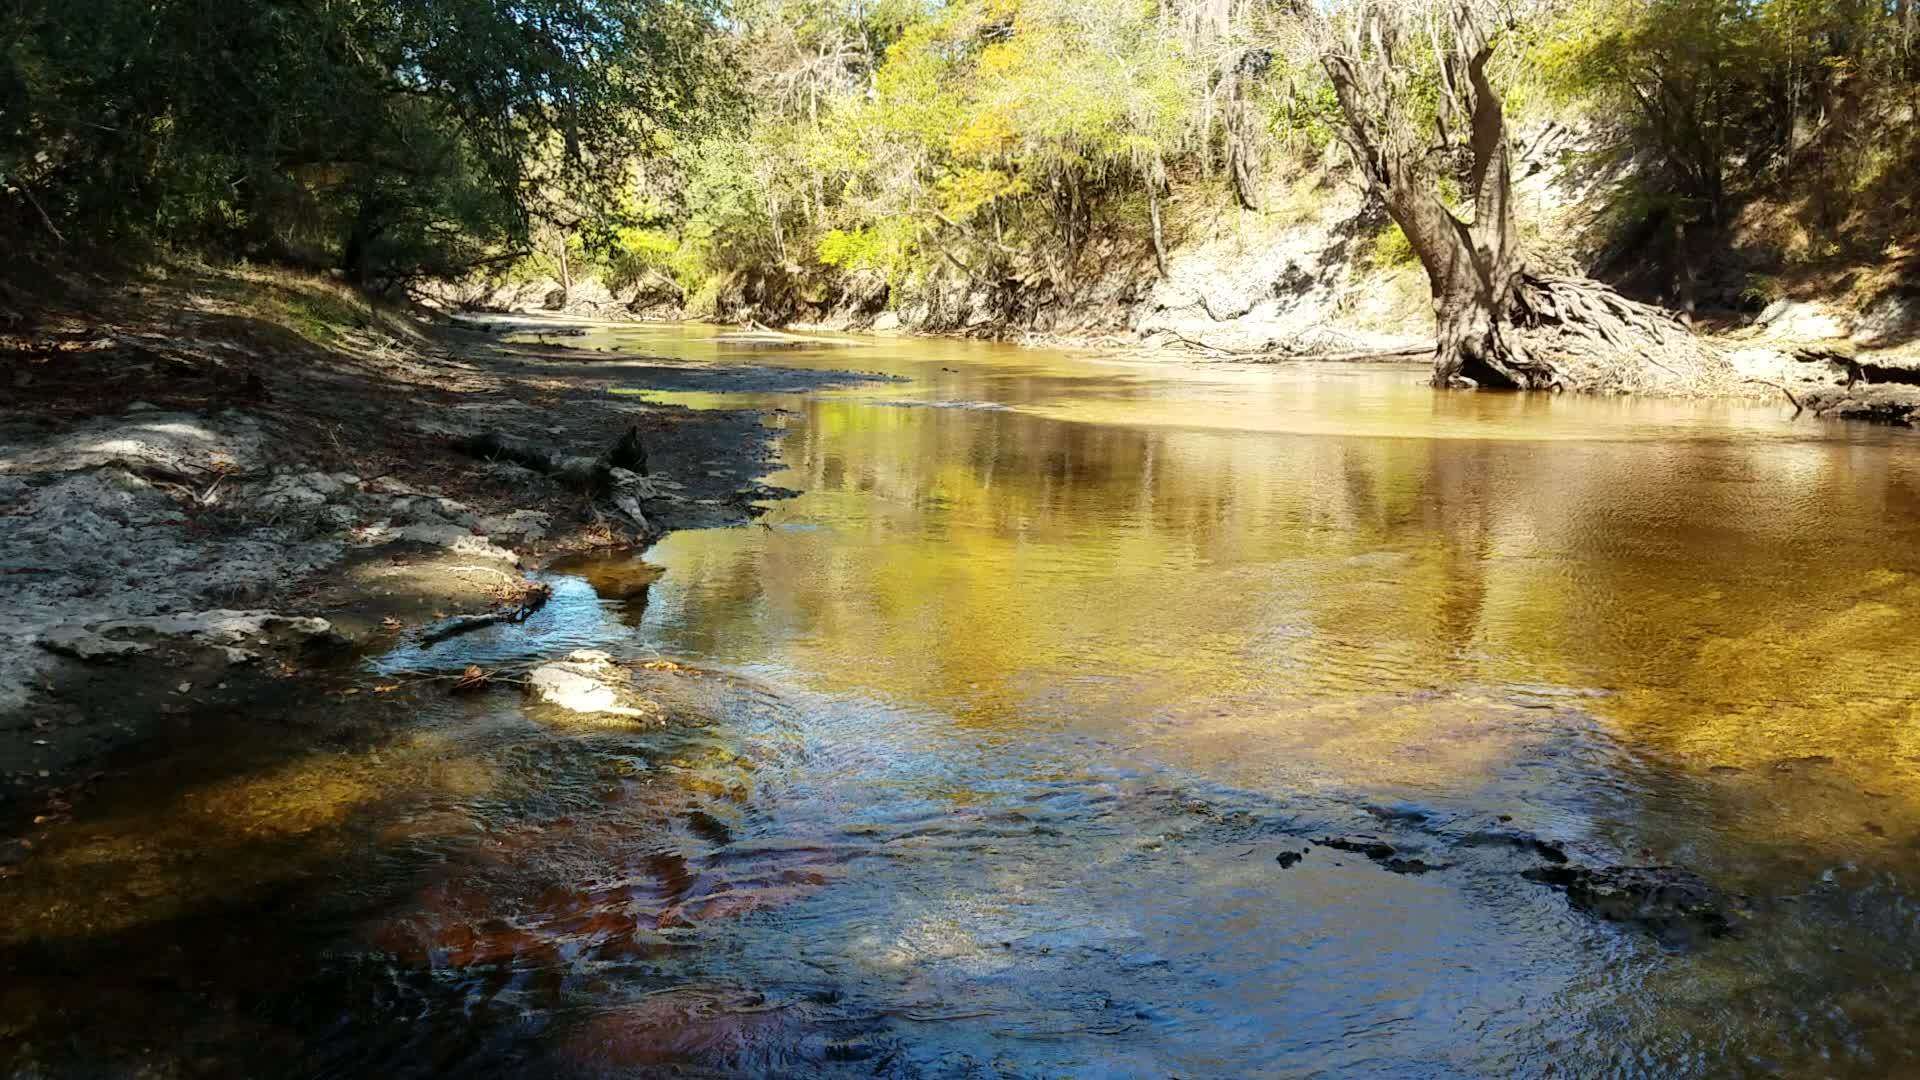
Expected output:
(1003, 725)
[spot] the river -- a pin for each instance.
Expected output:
(1004, 724)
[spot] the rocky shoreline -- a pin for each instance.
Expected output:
(174, 553)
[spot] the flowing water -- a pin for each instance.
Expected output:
(993, 740)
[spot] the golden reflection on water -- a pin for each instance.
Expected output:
(1337, 574)
(1684, 630)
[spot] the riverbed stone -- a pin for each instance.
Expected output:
(340, 517)
(588, 682)
(1673, 903)
(449, 536)
(520, 526)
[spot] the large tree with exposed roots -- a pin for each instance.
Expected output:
(1497, 323)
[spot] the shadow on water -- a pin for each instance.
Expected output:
(1011, 747)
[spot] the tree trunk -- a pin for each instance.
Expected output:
(1685, 288)
(1472, 268)
(1495, 324)
(1157, 183)
(356, 257)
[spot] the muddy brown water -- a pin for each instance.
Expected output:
(995, 737)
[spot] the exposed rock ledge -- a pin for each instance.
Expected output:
(228, 630)
(589, 683)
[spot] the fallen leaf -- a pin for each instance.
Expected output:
(471, 679)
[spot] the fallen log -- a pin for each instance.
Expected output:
(533, 600)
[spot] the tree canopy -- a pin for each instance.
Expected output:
(390, 136)
(992, 141)
(1009, 144)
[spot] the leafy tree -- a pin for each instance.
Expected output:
(1494, 320)
(393, 137)
(1699, 104)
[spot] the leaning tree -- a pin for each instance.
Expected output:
(1418, 104)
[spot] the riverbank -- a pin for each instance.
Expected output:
(221, 488)
(1819, 356)
(1318, 273)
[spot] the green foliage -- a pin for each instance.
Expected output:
(854, 250)
(670, 144)
(1710, 82)
(1391, 249)
(1759, 290)
(912, 140)
(394, 137)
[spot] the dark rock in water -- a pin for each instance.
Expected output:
(1372, 849)
(1794, 764)
(1385, 855)
(709, 828)
(1410, 866)
(1407, 815)
(1885, 404)
(854, 1049)
(1549, 850)
(1674, 904)
(1287, 859)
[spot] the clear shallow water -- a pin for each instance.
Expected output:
(1003, 723)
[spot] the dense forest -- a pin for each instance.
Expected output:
(745, 161)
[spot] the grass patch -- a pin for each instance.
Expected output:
(1390, 249)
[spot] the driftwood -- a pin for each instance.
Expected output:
(535, 598)
(1798, 408)
(593, 475)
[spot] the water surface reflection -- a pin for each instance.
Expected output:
(996, 733)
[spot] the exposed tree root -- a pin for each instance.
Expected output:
(1577, 334)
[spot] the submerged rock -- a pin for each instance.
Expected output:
(1409, 866)
(1550, 850)
(1383, 854)
(1675, 904)
(1371, 848)
(590, 683)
